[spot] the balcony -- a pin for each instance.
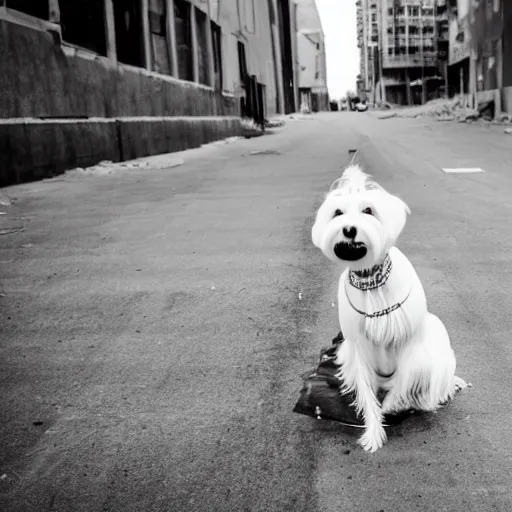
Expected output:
(408, 61)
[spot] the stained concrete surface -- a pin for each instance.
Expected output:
(153, 335)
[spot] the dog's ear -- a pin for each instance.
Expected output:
(399, 212)
(316, 233)
(404, 206)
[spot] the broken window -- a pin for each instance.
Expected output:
(202, 47)
(128, 26)
(38, 9)
(183, 40)
(158, 35)
(217, 55)
(83, 24)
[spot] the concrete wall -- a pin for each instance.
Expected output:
(36, 149)
(62, 106)
(39, 78)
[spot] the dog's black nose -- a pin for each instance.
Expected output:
(350, 232)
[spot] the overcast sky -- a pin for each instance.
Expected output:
(339, 24)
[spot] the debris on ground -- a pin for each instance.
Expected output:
(250, 128)
(222, 142)
(274, 123)
(265, 152)
(451, 110)
(11, 230)
(4, 200)
(107, 167)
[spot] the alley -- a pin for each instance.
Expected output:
(155, 323)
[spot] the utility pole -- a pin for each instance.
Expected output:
(366, 13)
(422, 55)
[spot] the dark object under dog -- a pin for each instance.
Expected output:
(321, 398)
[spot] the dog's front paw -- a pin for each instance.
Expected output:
(459, 384)
(373, 438)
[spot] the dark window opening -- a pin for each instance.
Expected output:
(242, 62)
(202, 47)
(38, 9)
(158, 33)
(217, 55)
(83, 24)
(183, 40)
(128, 26)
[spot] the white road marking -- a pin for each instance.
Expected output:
(461, 170)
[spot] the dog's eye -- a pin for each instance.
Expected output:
(337, 213)
(368, 211)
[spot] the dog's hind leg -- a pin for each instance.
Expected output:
(425, 378)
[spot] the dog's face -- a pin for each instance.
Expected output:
(358, 221)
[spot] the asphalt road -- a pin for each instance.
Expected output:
(155, 324)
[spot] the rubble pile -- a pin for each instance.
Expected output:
(451, 110)
(250, 128)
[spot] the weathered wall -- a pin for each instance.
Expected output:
(39, 149)
(507, 49)
(486, 27)
(251, 20)
(122, 112)
(38, 79)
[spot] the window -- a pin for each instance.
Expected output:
(83, 24)
(39, 9)
(158, 35)
(128, 26)
(202, 47)
(183, 40)
(242, 61)
(217, 55)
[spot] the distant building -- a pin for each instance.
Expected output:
(413, 48)
(368, 41)
(480, 53)
(459, 51)
(84, 81)
(312, 67)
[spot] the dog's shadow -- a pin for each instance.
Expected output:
(407, 425)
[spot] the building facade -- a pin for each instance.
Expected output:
(459, 51)
(368, 42)
(481, 53)
(90, 80)
(413, 49)
(312, 67)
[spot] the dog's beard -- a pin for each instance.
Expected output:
(393, 329)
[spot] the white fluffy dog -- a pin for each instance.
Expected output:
(392, 343)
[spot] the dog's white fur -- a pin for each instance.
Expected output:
(410, 343)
